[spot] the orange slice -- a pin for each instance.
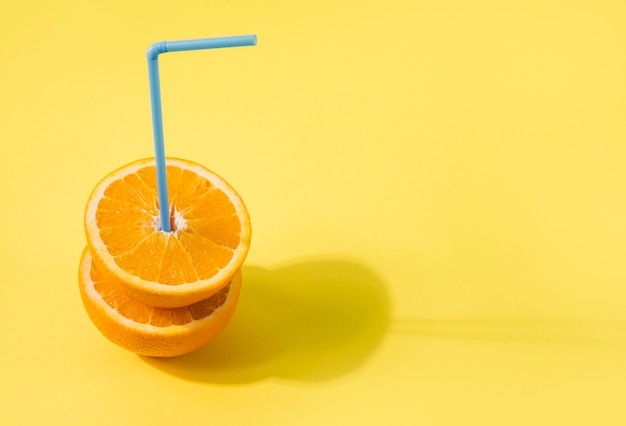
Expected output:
(209, 241)
(148, 330)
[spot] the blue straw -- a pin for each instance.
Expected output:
(155, 101)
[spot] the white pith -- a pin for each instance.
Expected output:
(180, 224)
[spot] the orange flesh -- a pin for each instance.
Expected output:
(113, 295)
(205, 227)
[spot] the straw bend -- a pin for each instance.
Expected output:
(156, 49)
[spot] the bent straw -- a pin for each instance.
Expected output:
(155, 102)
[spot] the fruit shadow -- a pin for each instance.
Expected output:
(306, 321)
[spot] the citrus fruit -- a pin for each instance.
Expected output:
(208, 242)
(148, 330)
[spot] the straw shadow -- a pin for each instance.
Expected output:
(307, 321)
(568, 331)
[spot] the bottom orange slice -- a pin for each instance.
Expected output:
(147, 330)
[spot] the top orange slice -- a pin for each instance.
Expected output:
(209, 241)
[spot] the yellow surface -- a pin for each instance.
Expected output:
(437, 191)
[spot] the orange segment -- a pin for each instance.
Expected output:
(216, 229)
(149, 330)
(209, 241)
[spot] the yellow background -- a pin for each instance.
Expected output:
(437, 192)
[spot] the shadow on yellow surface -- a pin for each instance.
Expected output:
(307, 321)
(568, 331)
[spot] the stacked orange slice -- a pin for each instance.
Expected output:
(163, 293)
